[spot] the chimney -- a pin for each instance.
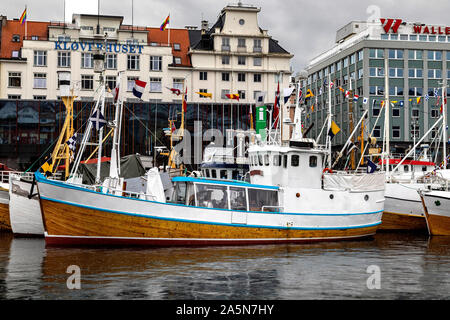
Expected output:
(204, 26)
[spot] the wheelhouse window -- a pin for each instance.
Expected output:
(295, 160)
(262, 200)
(313, 161)
(212, 196)
(238, 199)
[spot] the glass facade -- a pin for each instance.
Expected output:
(29, 128)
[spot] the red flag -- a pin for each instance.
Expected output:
(173, 127)
(276, 106)
(185, 102)
(232, 96)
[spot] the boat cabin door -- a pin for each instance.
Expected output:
(238, 203)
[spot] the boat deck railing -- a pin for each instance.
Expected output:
(5, 175)
(116, 192)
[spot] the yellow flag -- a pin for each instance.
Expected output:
(309, 94)
(333, 130)
(205, 94)
(46, 167)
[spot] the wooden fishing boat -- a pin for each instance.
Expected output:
(436, 204)
(290, 198)
(5, 224)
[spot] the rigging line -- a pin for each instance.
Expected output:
(54, 141)
(143, 124)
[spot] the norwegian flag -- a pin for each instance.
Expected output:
(175, 91)
(276, 106)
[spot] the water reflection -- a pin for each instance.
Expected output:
(412, 267)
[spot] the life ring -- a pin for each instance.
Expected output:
(327, 170)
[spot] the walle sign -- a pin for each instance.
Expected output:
(394, 24)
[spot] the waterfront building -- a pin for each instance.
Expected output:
(418, 65)
(234, 55)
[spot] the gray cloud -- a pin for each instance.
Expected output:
(303, 27)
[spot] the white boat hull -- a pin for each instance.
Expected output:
(25, 213)
(437, 211)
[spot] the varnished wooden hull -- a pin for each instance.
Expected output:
(402, 222)
(5, 224)
(67, 224)
(77, 216)
(437, 212)
(403, 210)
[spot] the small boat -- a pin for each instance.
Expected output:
(436, 205)
(5, 224)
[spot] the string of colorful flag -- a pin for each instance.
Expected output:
(399, 103)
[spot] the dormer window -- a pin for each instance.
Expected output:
(176, 46)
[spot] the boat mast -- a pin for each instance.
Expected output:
(330, 115)
(114, 169)
(298, 134)
(386, 143)
(100, 57)
(444, 123)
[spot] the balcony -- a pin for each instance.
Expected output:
(257, 49)
(226, 48)
(241, 49)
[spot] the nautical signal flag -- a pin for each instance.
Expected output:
(287, 93)
(139, 87)
(23, 17)
(259, 97)
(418, 99)
(72, 142)
(46, 167)
(333, 130)
(365, 100)
(309, 94)
(165, 23)
(98, 120)
(355, 98)
(205, 94)
(184, 102)
(175, 91)
(371, 167)
(233, 96)
(115, 92)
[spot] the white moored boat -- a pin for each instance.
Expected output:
(290, 198)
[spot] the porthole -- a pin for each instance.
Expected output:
(241, 22)
(366, 197)
(331, 196)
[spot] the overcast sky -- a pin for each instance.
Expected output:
(305, 28)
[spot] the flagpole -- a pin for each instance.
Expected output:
(444, 122)
(329, 123)
(386, 116)
(168, 33)
(26, 22)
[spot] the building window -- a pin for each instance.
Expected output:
(132, 62)
(87, 60)
(203, 75)
(376, 53)
(177, 60)
(87, 82)
(295, 160)
(377, 132)
(345, 62)
(360, 74)
(176, 47)
(241, 60)
(40, 58)
(434, 74)
(376, 90)
(415, 54)
(241, 94)
(396, 72)
(203, 91)
(395, 54)
(63, 59)
(360, 55)
(415, 73)
(415, 91)
(178, 83)
(376, 72)
(435, 113)
(130, 83)
(155, 63)
(241, 43)
(40, 81)
(111, 82)
(415, 113)
(257, 46)
(16, 38)
(434, 55)
(225, 76)
(39, 97)
(225, 44)
(155, 85)
(395, 91)
(257, 61)
(224, 93)
(14, 79)
(14, 96)
(396, 132)
(111, 61)
(395, 112)
(257, 77)
(241, 77)
(225, 59)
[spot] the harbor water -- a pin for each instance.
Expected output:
(387, 266)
